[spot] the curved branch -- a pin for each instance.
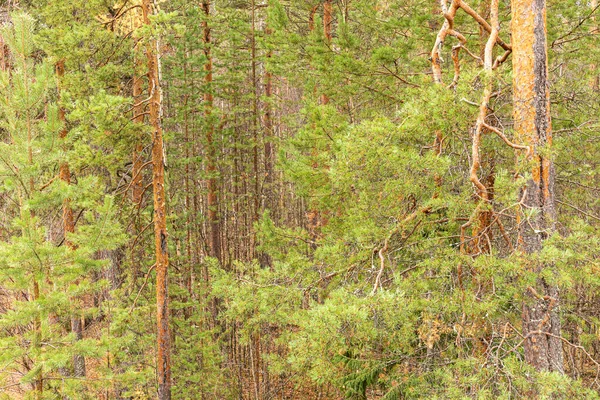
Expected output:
(436, 58)
(507, 141)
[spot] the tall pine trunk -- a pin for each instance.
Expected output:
(137, 188)
(541, 321)
(211, 165)
(163, 356)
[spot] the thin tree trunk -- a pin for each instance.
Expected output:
(188, 278)
(69, 227)
(268, 135)
(4, 58)
(541, 321)
(327, 21)
(137, 187)
(268, 126)
(160, 221)
(37, 323)
(255, 120)
(211, 168)
(595, 30)
(311, 17)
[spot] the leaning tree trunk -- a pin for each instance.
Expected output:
(163, 356)
(541, 321)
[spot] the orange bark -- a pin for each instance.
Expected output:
(3, 55)
(163, 354)
(448, 30)
(311, 17)
(531, 97)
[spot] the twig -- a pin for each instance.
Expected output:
(578, 209)
(141, 288)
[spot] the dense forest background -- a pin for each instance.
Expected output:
(307, 199)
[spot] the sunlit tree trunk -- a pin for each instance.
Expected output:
(160, 221)
(541, 321)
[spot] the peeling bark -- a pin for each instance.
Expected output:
(163, 354)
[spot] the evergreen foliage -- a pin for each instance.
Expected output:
(357, 257)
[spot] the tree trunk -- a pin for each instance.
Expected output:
(255, 120)
(327, 21)
(541, 321)
(211, 168)
(268, 135)
(160, 221)
(137, 187)
(595, 30)
(69, 227)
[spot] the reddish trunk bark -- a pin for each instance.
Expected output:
(163, 356)
(138, 117)
(541, 321)
(311, 17)
(137, 188)
(211, 168)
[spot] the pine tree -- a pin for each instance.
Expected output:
(43, 274)
(541, 321)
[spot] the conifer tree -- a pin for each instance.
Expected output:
(430, 264)
(160, 217)
(533, 126)
(42, 273)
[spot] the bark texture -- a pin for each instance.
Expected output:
(163, 355)
(541, 321)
